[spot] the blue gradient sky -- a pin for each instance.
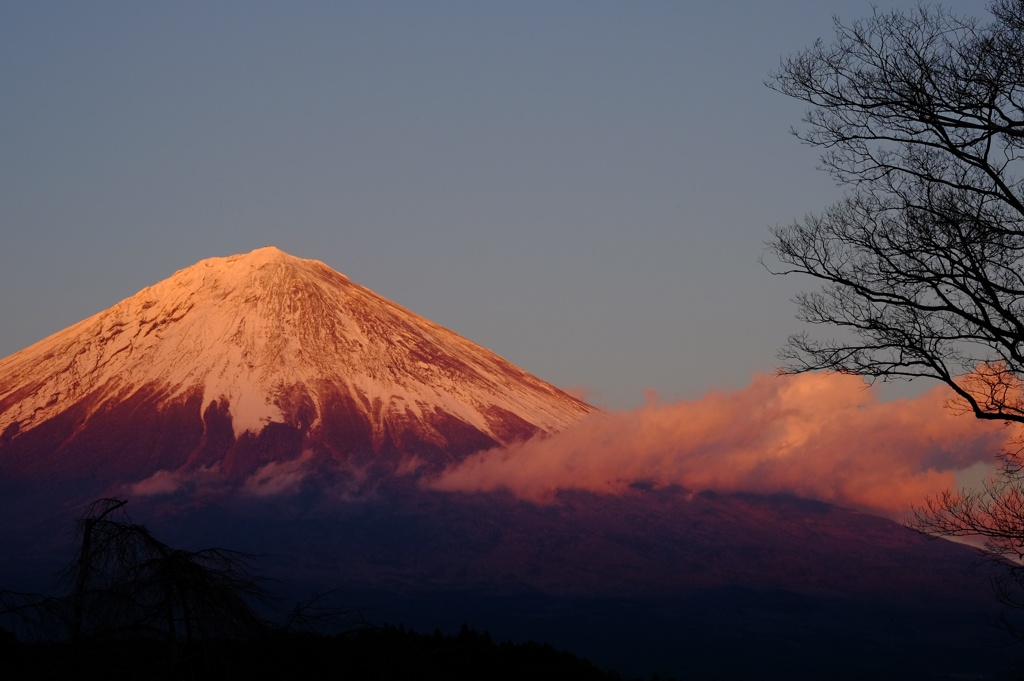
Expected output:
(582, 187)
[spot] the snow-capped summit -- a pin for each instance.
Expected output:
(239, 361)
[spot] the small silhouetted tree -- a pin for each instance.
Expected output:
(992, 515)
(126, 582)
(123, 582)
(185, 613)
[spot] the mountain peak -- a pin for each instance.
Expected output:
(256, 258)
(265, 342)
(240, 269)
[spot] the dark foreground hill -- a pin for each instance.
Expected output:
(364, 654)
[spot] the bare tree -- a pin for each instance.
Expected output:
(920, 117)
(124, 581)
(993, 515)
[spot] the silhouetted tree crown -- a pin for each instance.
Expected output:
(921, 117)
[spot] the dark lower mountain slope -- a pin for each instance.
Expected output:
(712, 585)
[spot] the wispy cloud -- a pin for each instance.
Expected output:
(277, 478)
(201, 480)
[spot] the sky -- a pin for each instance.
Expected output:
(582, 187)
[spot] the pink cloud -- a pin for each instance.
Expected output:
(165, 482)
(160, 483)
(584, 393)
(277, 478)
(821, 436)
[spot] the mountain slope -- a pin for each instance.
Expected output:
(237, 362)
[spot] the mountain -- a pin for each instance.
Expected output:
(266, 403)
(243, 362)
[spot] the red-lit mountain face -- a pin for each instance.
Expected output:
(247, 366)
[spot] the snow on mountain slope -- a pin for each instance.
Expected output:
(222, 351)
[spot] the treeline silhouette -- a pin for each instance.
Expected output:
(132, 607)
(371, 653)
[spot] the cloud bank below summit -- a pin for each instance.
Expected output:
(819, 436)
